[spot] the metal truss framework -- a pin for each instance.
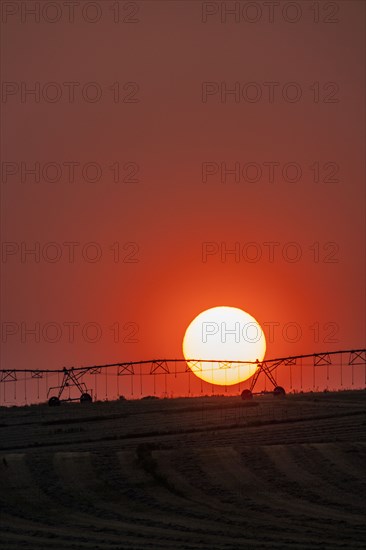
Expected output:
(72, 377)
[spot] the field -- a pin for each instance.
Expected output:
(213, 473)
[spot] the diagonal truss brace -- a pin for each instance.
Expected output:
(159, 365)
(8, 376)
(95, 370)
(266, 369)
(193, 366)
(322, 359)
(357, 358)
(125, 368)
(36, 374)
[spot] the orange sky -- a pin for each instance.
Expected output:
(169, 214)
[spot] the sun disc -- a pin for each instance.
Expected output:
(218, 339)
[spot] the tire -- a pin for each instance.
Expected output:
(246, 395)
(85, 398)
(279, 391)
(54, 401)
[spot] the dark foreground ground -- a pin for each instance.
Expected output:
(214, 473)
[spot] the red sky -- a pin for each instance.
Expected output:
(162, 220)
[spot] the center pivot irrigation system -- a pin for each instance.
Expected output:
(73, 376)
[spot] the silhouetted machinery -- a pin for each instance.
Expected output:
(70, 379)
(278, 391)
(266, 369)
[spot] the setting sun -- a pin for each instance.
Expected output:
(224, 334)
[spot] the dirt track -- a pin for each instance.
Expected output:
(210, 473)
